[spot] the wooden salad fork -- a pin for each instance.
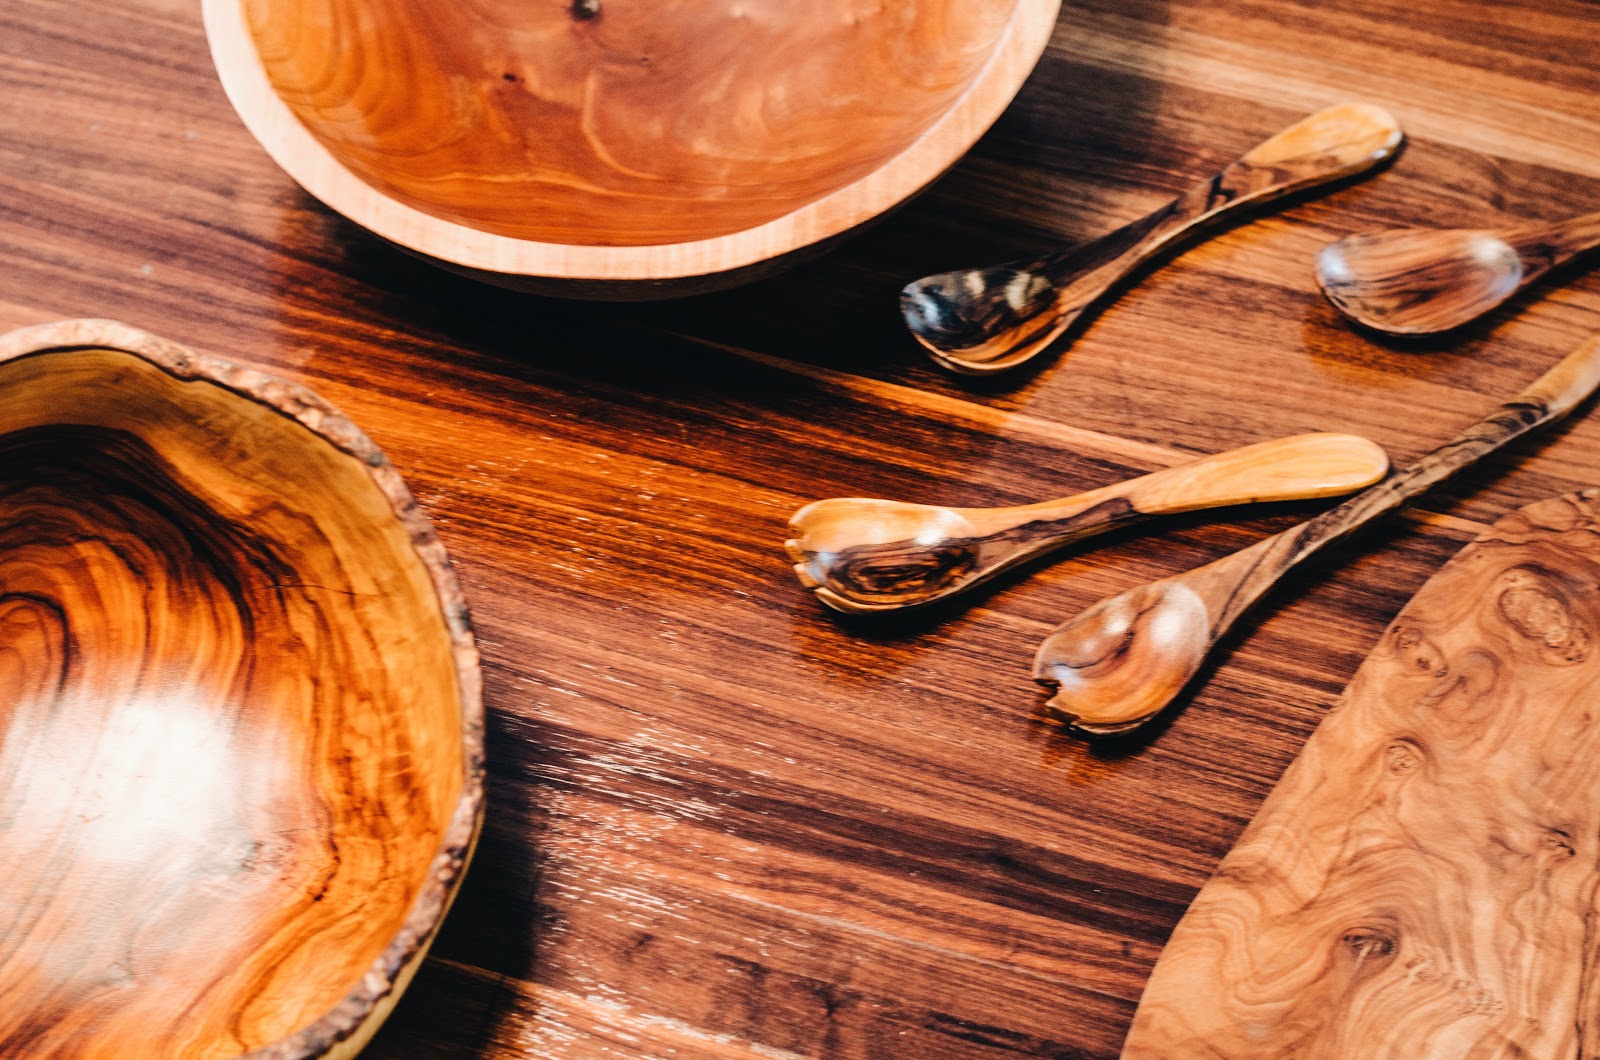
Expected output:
(979, 321)
(1419, 281)
(865, 555)
(1117, 665)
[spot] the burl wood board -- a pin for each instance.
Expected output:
(721, 823)
(1423, 881)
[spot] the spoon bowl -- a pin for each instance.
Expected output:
(1423, 281)
(1122, 660)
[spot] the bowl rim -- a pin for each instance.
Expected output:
(346, 1027)
(292, 146)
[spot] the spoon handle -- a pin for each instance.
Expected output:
(1545, 248)
(1300, 467)
(1219, 592)
(1326, 146)
(980, 321)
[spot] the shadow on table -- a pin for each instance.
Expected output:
(1019, 192)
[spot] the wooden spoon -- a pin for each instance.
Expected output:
(863, 555)
(978, 321)
(1419, 281)
(1115, 666)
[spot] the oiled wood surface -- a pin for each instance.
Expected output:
(1421, 883)
(240, 748)
(643, 123)
(723, 822)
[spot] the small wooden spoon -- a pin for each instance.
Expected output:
(864, 555)
(1116, 665)
(1419, 281)
(978, 321)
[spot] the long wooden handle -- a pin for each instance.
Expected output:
(1300, 467)
(980, 321)
(1549, 398)
(1326, 146)
(1119, 664)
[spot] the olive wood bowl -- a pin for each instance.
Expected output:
(620, 148)
(241, 732)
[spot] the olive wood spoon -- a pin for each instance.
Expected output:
(1118, 664)
(863, 555)
(978, 321)
(1419, 281)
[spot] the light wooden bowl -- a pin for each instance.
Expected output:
(240, 722)
(653, 148)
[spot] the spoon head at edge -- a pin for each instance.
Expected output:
(1118, 664)
(980, 320)
(863, 555)
(1418, 281)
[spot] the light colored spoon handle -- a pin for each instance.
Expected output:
(1001, 316)
(1297, 468)
(1226, 588)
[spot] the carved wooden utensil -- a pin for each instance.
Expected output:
(1115, 666)
(979, 321)
(1421, 881)
(241, 734)
(863, 555)
(1418, 281)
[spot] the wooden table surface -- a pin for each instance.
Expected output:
(722, 822)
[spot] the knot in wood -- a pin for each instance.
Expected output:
(1417, 653)
(1370, 944)
(1402, 757)
(1543, 617)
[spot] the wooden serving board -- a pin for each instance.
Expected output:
(1425, 879)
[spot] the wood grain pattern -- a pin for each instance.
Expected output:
(979, 321)
(241, 746)
(1421, 281)
(863, 555)
(1116, 666)
(721, 822)
(1421, 882)
(685, 140)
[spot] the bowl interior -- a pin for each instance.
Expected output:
(646, 123)
(230, 736)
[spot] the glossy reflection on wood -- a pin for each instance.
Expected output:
(979, 321)
(865, 555)
(1421, 881)
(1116, 666)
(1418, 281)
(532, 131)
(240, 733)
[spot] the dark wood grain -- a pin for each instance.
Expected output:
(242, 739)
(1421, 881)
(720, 821)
